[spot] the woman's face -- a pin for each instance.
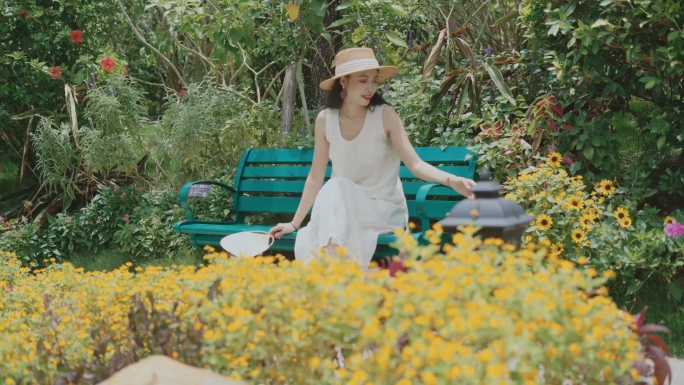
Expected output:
(360, 86)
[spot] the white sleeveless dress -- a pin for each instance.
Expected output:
(363, 198)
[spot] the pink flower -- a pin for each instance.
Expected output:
(76, 36)
(68, 219)
(674, 229)
(108, 64)
(55, 73)
(117, 188)
(123, 196)
(126, 218)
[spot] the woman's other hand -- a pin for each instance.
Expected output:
(281, 229)
(462, 186)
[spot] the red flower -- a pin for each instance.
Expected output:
(55, 73)
(108, 64)
(182, 92)
(23, 13)
(76, 36)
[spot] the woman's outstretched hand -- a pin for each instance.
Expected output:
(462, 186)
(281, 229)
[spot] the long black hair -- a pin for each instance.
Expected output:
(335, 101)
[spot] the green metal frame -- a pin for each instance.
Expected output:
(283, 171)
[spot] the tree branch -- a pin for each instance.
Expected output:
(148, 45)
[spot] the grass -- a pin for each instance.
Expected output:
(662, 309)
(110, 259)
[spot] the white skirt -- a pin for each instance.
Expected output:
(344, 216)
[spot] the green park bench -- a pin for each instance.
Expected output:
(272, 181)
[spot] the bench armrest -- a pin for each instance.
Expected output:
(186, 188)
(421, 196)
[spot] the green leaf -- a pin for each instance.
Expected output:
(327, 36)
(661, 141)
(650, 85)
(359, 34)
(342, 21)
(396, 40)
(672, 35)
(236, 34)
(554, 30)
(498, 79)
(589, 152)
(395, 9)
(675, 289)
(599, 23)
(634, 286)
(343, 6)
(648, 79)
(506, 18)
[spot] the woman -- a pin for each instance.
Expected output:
(366, 141)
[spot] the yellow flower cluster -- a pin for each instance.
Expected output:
(471, 312)
(565, 213)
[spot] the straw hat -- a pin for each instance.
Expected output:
(354, 60)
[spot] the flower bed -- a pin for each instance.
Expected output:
(597, 226)
(476, 313)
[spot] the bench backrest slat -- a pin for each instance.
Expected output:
(297, 186)
(450, 155)
(258, 204)
(301, 172)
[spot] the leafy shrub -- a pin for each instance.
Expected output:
(476, 313)
(595, 226)
(127, 218)
(205, 128)
(616, 71)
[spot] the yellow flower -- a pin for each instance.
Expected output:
(586, 221)
(554, 159)
(609, 274)
(474, 213)
(578, 235)
(556, 249)
(621, 213)
(582, 260)
(575, 202)
(626, 222)
(544, 222)
(575, 349)
(668, 220)
(429, 378)
(314, 362)
(607, 187)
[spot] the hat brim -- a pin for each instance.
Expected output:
(384, 73)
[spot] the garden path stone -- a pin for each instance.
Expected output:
(677, 366)
(163, 370)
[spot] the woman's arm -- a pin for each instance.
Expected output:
(427, 172)
(314, 181)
